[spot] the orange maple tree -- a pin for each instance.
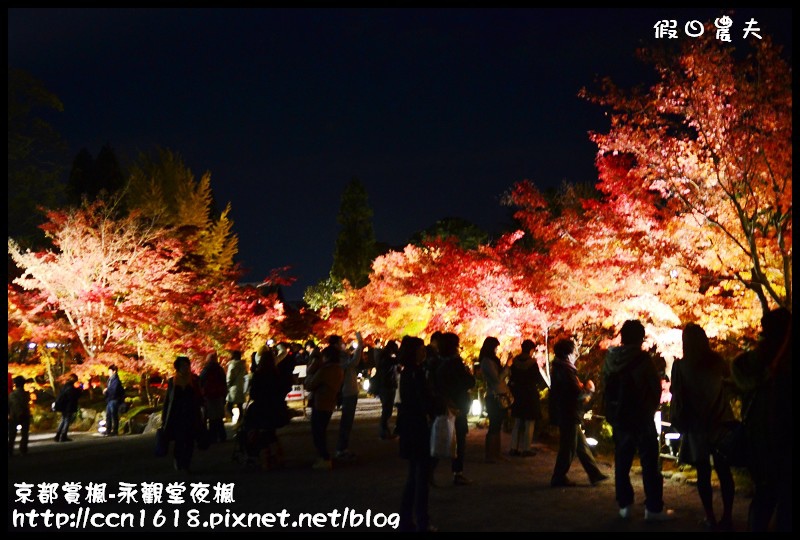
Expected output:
(713, 137)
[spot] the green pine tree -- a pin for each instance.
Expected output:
(355, 245)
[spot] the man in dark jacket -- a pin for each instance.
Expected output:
(115, 397)
(634, 429)
(67, 404)
(568, 397)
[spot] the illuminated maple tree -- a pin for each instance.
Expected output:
(440, 286)
(713, 137)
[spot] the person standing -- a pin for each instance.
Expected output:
(634, 428)
(182, 414)
(19, 414)
(764, 379)
(115, 397)
(568, 399)
(525, 381)
(386, 375)
(324, 382)
(234, 379)
(454, 381)
(414, 416)
(67, 404)
(496, 390)
(266, 413)
(700, 406)
(215, 388)
(349, 362)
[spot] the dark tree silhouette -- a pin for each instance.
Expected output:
(355, 245)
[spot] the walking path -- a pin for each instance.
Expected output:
(506, 496)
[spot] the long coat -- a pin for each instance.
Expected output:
(525, 382)
(414, 414)
(700, 405)
(235, 380)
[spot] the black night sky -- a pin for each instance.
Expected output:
(437, 111)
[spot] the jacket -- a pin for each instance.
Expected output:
(325, 383)
(235, 380)
(645, 378)
(567, 394)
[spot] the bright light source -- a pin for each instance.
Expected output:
(365, 385)
(235, 415)
(476, 409)
(31, 345)
(51, 345)
(591, 441)
(672, 436)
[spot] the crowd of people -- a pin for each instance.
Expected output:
(424, 381)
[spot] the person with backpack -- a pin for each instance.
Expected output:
(568, 399)
(115, 397)
(632, 395)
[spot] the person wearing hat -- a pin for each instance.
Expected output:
(19, 416)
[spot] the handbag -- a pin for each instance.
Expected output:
(733, 445)
(162, 443)
(443, 436)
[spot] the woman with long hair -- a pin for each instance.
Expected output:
(496, 389)
(414, 416)
(700, 405)
(182, 415)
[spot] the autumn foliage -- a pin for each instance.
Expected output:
(689, 221)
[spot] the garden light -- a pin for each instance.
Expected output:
(476, 409)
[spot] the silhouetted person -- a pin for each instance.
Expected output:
(699, 408)
(234, 379)
(764, 378)
(414, 416)
(19, 414)
(115, 397)
(386, 375)
(635, 431)
(495, 377)
(350, 364)
(324, 382)
(182, 415)
(67, 405)
(453, 384)
(215, 388)
(525, 381)
(569, 397)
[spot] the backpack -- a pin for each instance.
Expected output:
(622, 396)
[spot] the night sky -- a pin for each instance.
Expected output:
(437, 111)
